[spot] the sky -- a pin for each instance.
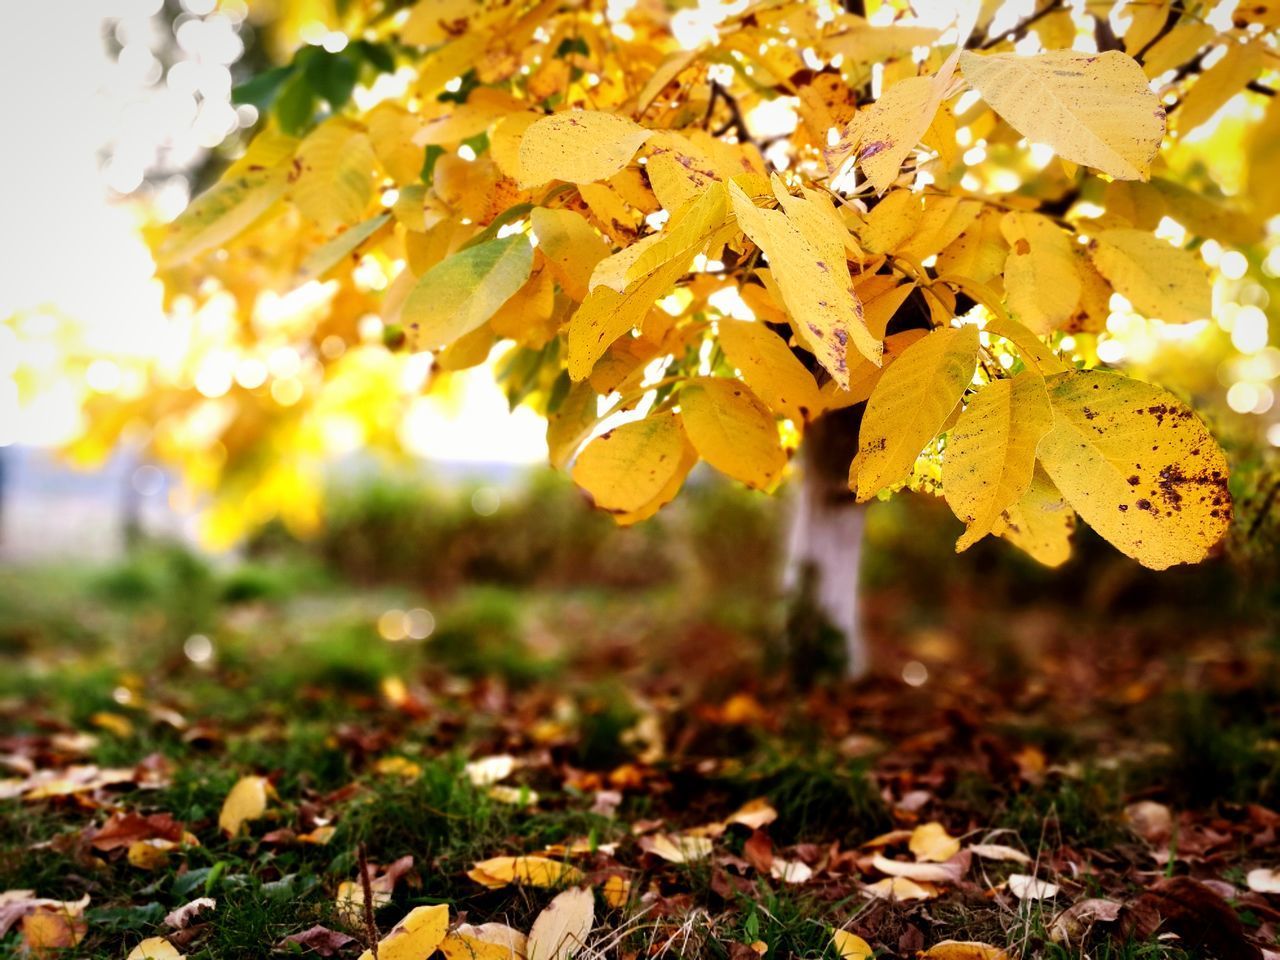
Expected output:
(85, 123)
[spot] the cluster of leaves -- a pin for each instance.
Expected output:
(255, 803)
(573, 183)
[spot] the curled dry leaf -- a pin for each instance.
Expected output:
(1152, 821)
(155, 948)
(900, 888)
(1031, 888)
(416, 936)
(490, 770)
(930, 841)
(850, 946)
(488, 941)
(996, 851)
(181, 917)
(963, 950)
(320, 940)
(949, 872)
(1263, 880)
(1074, 923)
(677, 848)
(754, 814)
(561, 930)
(790, 871)
(246, 801)
(531, 871)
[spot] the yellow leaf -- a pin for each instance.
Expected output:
(910, 404)
(1217, 85)
(1263, 148)
(891, 221)
(416, 936)
(770, 369)
(1041, 284)
(963, 950)
(1094, 109)
(818, 293)
(463, 291)
(327, 256)
(628, 466)
(850, 946)
(150, 854)
(47, 932)
(677, 848)
(391, 132)
(686, 234)
(221, 214)
(991, 452)
(1138, 466)
(688, 460)
(979, 252)
(580, 146)
(1160, 280)
(247, 800)
(901, 889)
(944, 220)
(607, 314)
(332, 175)
(1146, 19)
(732, 430)
(1041, 523)
(569, 424)
(616, 891)
(895, 123)
(482, 109)
(571, 247)
(561, 930)
(155, 948)
(504, 141)
(488, 941)
(1177, 47)
(930, 841)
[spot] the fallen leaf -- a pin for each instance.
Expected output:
(677, 848)
(754, 814)
(949, 872)
(1074, 923)
(563, 927)
(490, 770)
(900, 888)
(46, 930)
(155, 948)
(930, 841)
(963, 950)
(616, 891)
(995, 851)
(790, 871)
(321, 940)
(850, 946)
(1030, 888)
(488, 941)
(416, 936)
(246, 801)
(150, 854)
(1263, 880)
(1152, 821)
(533, 871)
(181, 917)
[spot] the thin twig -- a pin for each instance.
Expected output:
(366, 884)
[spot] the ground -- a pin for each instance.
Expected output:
(1128, 760)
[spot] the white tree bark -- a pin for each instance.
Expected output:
(825, 545)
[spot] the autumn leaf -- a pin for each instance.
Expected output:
(1139, 466)
(732, 430)
(533, 871)
(561, 930)
(628, 466)
(1094, 109)
(911, 402)
(850, 946)
(246, 801)
(460, 293)
(417, 935)
(990, 457)
(1160, 280)
(580, 146)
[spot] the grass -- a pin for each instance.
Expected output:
(578, 685)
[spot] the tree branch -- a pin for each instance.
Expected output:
(1019, 30)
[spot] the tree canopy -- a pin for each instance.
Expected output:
(693, 232)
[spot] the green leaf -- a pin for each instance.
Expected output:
(463, 291)
(325, 257)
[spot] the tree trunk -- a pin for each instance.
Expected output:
(823, 554)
